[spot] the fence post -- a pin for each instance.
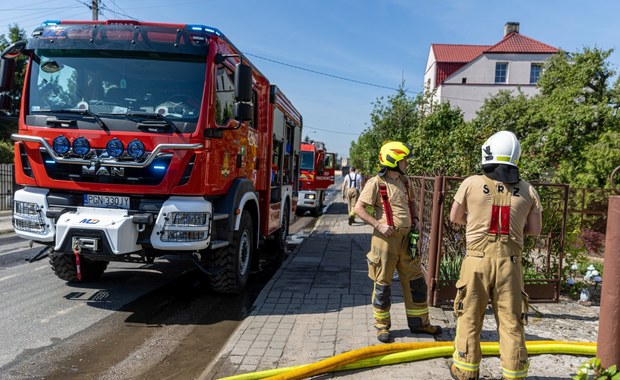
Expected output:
(435, 246)
(608, 344)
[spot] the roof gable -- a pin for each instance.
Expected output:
(517, 43)
(447, 53)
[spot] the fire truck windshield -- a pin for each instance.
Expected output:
(307, 161)
(115, 86)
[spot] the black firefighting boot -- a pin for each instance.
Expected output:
(459, 374)
(427, 329)
(383, 335)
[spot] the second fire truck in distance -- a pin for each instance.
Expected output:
(317, 168)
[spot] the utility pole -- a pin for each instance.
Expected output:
(95, 8)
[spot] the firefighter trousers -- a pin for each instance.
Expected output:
(352, 194)
(389, 253)
(492, 274)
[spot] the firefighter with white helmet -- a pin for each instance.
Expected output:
(389, 194)
(498, 209)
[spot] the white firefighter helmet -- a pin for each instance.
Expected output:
(501, 148)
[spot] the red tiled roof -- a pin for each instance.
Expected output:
(457, 53)
(518, 43)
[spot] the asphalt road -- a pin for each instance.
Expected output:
(138, 321)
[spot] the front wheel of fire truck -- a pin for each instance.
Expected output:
(63, 265)
(231, 265)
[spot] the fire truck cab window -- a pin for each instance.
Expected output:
(307, 161)
(225, 95)
(113, 84)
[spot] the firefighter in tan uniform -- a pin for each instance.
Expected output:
(351, 187)
(498, 209)
(388, 193)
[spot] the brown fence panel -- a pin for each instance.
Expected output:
(443, 243)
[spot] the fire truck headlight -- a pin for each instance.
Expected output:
(114, 148)
(81, 146)
(310, 196)
(61, 145)
(186, 226)
(135, 149)
(27, 216)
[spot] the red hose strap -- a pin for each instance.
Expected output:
(77, 264)
(387, 208)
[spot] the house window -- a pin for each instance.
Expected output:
(535, 72)
(501, 72)
(464, 80)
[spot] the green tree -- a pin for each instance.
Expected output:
(442, 143)
(577, 105)
(392, 119)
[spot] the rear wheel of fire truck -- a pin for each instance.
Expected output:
(279, 237)
(231, 265)
(63, 265)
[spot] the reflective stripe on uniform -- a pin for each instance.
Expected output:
(417, 312)
(381, 314)
(521, 374)
(471, 367)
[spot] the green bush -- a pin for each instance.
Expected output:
(593, 367)
(6, 152)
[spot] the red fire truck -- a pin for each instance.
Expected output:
(316, 175)
(138, 140)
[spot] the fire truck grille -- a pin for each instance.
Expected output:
(150, 175)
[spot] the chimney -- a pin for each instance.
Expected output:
(510, 27)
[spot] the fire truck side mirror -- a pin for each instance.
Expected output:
(243, 111)
(14, 50)
(5, 102)
(243, 93)
(7, 68)
(243, 83)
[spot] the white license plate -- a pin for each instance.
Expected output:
(111, 201)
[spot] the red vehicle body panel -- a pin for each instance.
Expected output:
(240, 153)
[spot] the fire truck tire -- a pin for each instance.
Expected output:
(63, 265)
(319, 209)
(279, 237)
(232, 264)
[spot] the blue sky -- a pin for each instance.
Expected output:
(334, 58)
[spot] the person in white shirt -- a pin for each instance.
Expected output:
(351, 187)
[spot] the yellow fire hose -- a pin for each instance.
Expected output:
(394, 353)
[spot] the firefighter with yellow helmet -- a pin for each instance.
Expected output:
(498, 209)
(389, 194)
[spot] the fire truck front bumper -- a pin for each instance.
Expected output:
(182, 224)
(308, 200)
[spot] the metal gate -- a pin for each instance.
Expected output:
(7, 186)
(443, 243)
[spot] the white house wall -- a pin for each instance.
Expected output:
(480, 80)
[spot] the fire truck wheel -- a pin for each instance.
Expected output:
(63, 265)
(232, 264)
(319, 209)
(279, 238)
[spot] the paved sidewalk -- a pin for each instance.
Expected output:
(318, 305)
(6, 222)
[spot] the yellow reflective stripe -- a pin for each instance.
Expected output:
(417, 312)
(465, 366)
(515, 374)
(381, 314)
(503, 158)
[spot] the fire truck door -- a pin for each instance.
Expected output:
(326, 177)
